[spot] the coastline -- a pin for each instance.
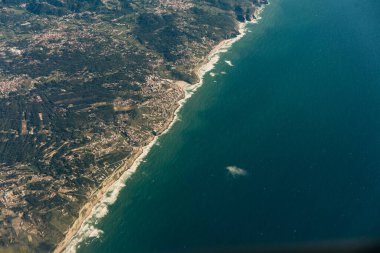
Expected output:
(97, 206)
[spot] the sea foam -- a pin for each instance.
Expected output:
(229, 63)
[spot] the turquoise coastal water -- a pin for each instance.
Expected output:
(299, 111)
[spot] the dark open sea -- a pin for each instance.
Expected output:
(298, 113)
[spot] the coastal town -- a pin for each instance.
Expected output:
(83, 88)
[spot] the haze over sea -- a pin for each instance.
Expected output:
(284, 147)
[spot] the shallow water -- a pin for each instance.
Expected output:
(282, 148)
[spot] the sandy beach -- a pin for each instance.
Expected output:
(96, 207)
